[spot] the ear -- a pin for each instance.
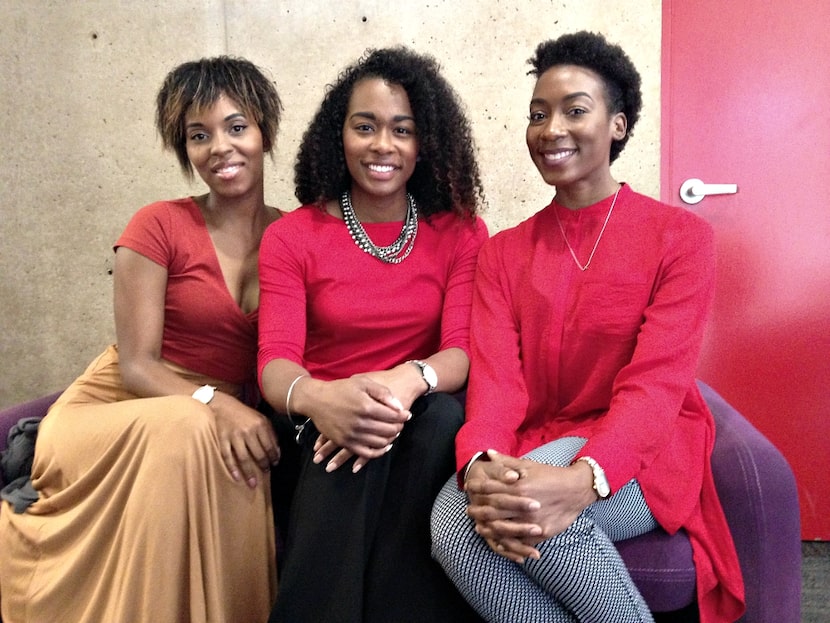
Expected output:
(619, 126)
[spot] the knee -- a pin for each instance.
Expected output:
(177, 426)
(559, 452)
(450, 526)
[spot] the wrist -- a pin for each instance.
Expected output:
(598, 481)
(205, 394)
(295, 395)
(427, 374)
(478, 456)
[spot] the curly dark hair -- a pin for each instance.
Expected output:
(609, 61)
(446, 176)
(200, 84)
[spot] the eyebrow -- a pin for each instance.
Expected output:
(571, 96)
(371, 115)
(233, 115)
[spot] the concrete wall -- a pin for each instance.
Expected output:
(80, 154)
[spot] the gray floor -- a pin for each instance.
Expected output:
(815, 587)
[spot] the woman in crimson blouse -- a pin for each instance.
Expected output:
(584, 424)
(364, 328)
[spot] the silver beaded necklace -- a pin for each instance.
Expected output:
(396, 252)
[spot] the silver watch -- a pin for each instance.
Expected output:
(427, 373)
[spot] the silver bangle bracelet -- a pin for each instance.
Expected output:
(288, 394)
(297, 427)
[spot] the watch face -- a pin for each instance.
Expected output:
(429, 376)
(204, 394)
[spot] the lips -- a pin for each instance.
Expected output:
(227, 170)
(556, 156)
(381, 168)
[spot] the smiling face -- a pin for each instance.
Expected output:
(225, 148)
(570, 131)
(380, 144)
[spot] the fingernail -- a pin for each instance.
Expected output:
(318, 458)
(330, 467)
(397, 403)
(357, 467)
(409, 417)
(387, 449)
(252, 482)
(235, 475)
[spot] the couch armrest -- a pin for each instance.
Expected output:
(10, 415)
(758, 493)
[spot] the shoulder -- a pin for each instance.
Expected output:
(516, 238)
(297, 227)
(650, 209)
(301, 216)
(168, 211)
(449, 223)
(673, 231)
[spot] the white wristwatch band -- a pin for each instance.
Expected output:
(204, 394)
(601, 485)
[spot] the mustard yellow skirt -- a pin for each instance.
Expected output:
(138, 518)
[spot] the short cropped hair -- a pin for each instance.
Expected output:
(446, 176)
(609, 61)
(199, 84)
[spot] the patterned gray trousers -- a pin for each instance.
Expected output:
(580, 575)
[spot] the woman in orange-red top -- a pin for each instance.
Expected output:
(151, 469)
(584, 423)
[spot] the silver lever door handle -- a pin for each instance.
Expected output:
(693, 191)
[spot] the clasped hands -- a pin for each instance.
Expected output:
(358, 416)
(518, 503)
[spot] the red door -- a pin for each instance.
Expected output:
(746, 101)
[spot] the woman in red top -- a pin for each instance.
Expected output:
(366, 294)
(151, 469)
(587, 323)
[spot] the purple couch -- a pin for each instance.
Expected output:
(758, 493)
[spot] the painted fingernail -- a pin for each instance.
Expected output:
(397, 404)
(387, 449)
(357, 467)
(330, 467)
(318, 458)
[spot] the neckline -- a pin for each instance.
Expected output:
(599, 208)
(214, 258)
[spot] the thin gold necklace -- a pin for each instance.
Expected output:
(596, 244)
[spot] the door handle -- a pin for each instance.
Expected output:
(693, 191)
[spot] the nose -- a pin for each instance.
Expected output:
(382, 141)
(554, 128)
(219, 144)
